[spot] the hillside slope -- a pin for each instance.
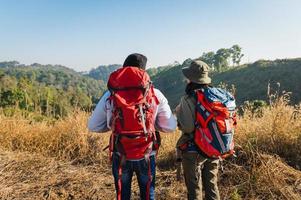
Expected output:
(102, 72)
(251, 81)
(20, 84)
(48, 89)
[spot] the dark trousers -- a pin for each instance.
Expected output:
(145, 171)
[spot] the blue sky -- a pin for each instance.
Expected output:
(84, 34)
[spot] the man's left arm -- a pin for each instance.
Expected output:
(165, 120)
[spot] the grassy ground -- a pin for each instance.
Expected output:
(62, 160)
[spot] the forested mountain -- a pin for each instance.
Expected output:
(102, 72)
(48, 89)
(156, 70)
(55, 90)
(251, 81)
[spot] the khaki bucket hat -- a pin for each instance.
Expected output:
(197, 72)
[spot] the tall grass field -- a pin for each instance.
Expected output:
(62, 160)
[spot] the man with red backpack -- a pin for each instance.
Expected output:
(134, 111)
(206, 117)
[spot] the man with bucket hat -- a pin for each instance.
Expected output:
(202, 143)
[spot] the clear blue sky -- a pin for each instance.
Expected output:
(84, 34)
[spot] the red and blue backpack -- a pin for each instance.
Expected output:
(215, 122)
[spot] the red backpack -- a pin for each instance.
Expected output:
(133, 120)
(215, 122)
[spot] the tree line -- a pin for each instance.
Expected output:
(223, 58)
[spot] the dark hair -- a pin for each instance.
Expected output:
(135, 60)
(191, 87)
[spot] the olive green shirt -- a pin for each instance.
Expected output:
(186, 118)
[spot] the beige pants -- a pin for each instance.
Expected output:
(199, 172)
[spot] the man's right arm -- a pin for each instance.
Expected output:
(98, 120)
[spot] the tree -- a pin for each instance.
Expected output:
(236, 54)
(208, 58)
(187, 62)
(221, 59)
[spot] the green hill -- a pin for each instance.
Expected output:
(48, 89)
(102, 72)
(251, 81)
(56, 90)
(157, 70)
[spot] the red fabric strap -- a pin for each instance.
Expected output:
(119, 179)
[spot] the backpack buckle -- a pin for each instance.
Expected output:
(143, 120)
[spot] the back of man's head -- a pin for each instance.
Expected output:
(135, 60)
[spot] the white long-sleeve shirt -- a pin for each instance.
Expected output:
(101, 116)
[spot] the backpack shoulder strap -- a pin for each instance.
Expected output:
(203, 111)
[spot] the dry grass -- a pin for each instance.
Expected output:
(277, 130)
(66, 139)
(32, 176)
(62, 160)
